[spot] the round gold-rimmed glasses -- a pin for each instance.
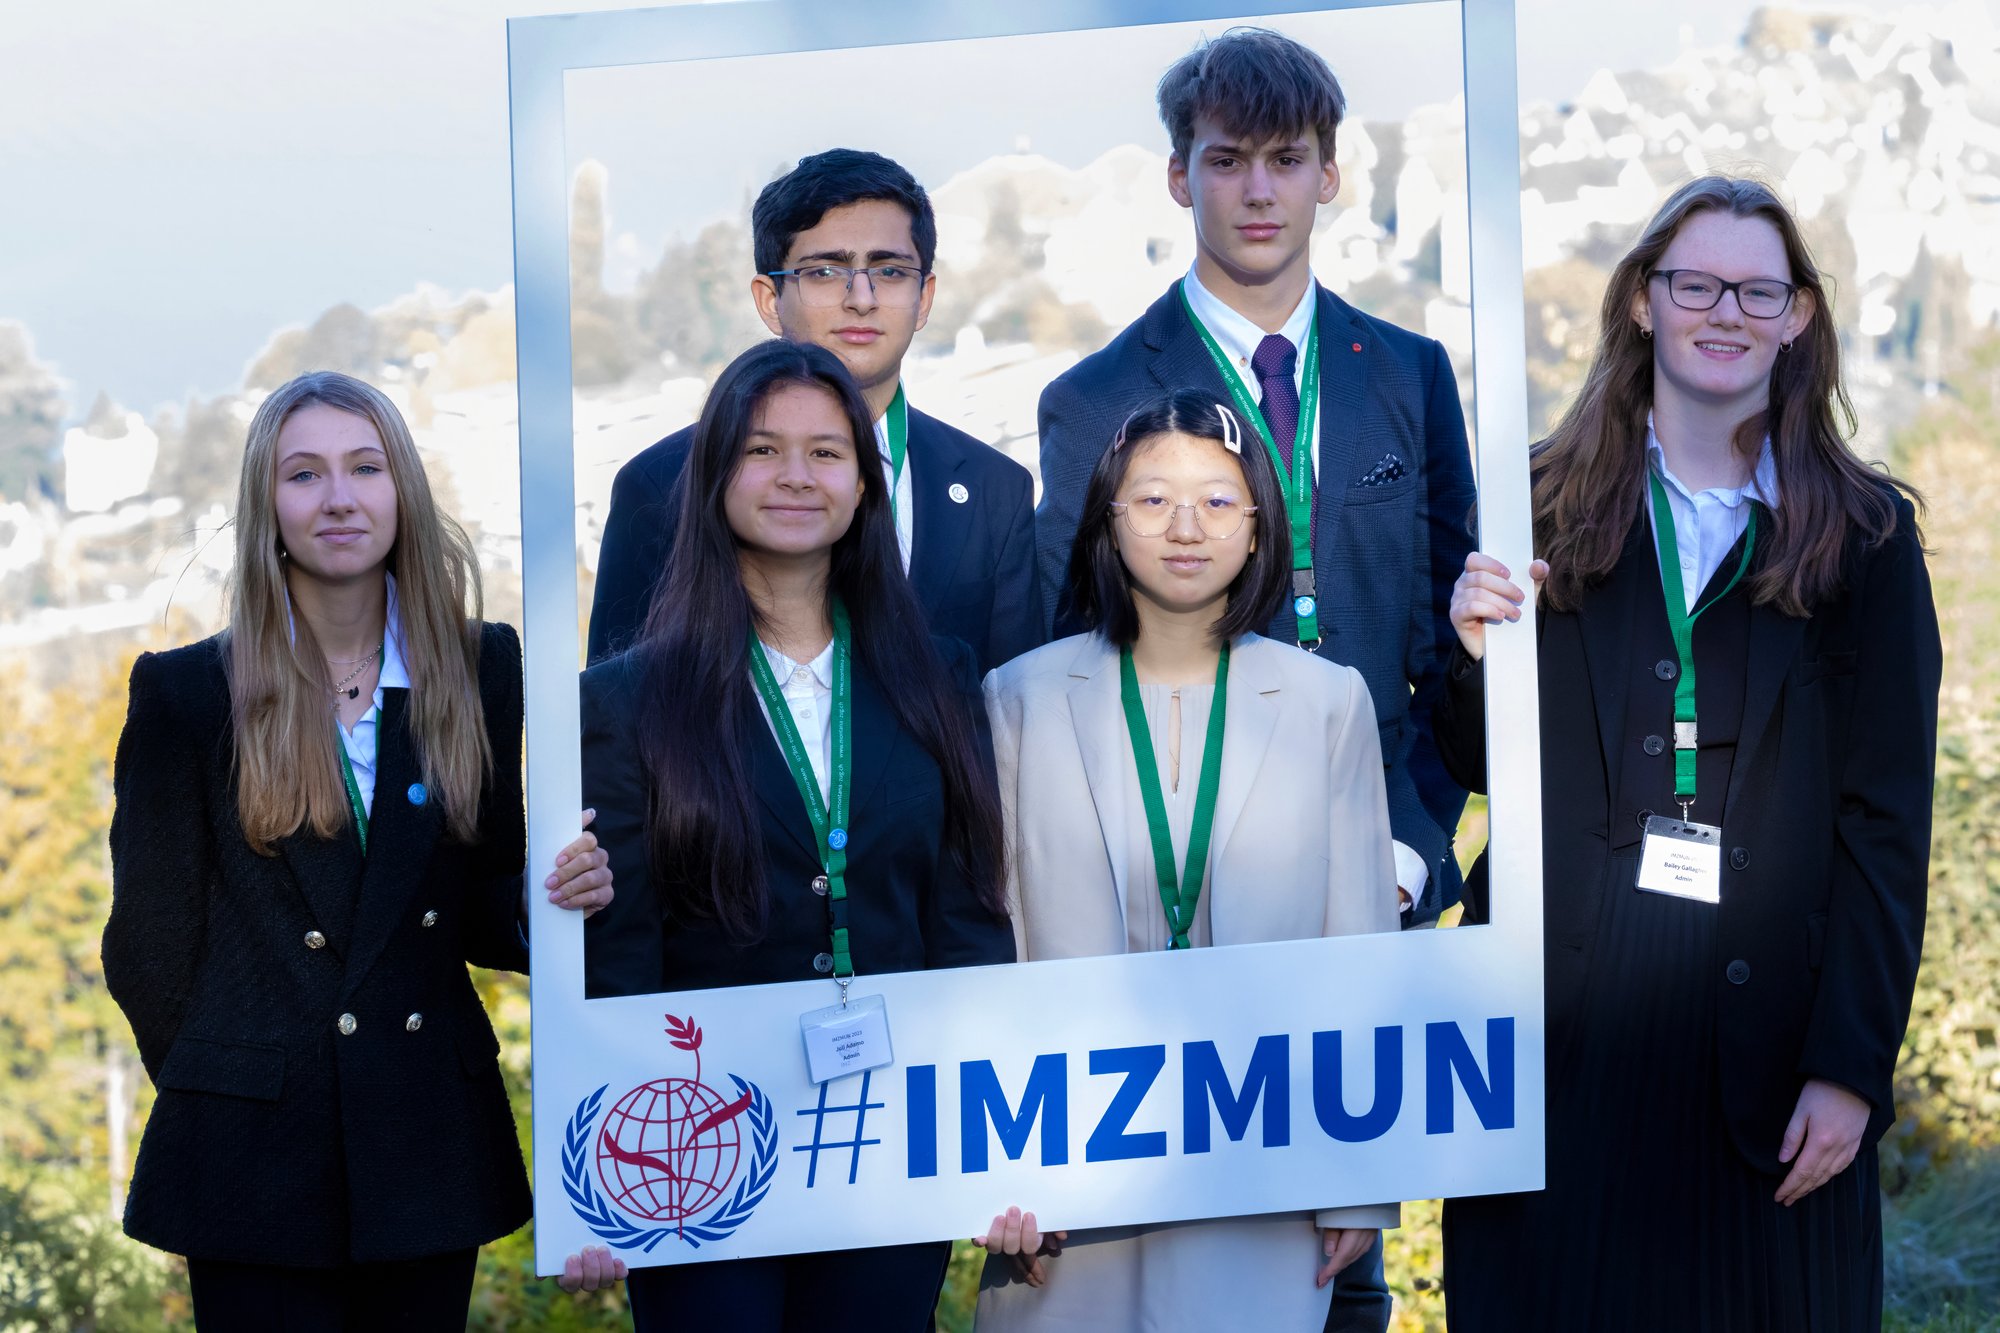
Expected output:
(1219, 516)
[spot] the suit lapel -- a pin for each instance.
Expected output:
(1606, 619)
(1343, 393)
(327, 872)
(1774, 646)
(937, 524)
(1098, 715)
(772, 777)
(1181, 361)
(401, 833)
(876, 738)
(1254, 684)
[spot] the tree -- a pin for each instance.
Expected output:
(32, 409)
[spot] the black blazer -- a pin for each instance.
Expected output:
(1391, 509)
(972, 562)
(909, 907)
(1826, 829)
(276, 1139)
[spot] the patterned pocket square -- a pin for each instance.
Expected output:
(1389, 469)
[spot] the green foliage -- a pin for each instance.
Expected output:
(64, 1265)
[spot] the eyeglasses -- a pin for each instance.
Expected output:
(1220, 517)
(829, 284)
(1759, 298)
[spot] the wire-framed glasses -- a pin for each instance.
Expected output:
(1219, 516)
(828, 284)
(1759, 298)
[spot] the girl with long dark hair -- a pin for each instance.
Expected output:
(1174, 780)
(318, 825)
(782, 620)
(1739, 671)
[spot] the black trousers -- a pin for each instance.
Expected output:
(887, 1290)
(411, 1296)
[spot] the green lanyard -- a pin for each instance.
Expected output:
(354, 791)
(896, 425)
(1681, 621)
(1177, 895)
(1298, 487)
(829, 817)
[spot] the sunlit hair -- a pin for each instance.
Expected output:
(287, 752)
(1257, 85)
(1099, 591)
(1589, 474)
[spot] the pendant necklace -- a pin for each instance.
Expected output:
(342, 687)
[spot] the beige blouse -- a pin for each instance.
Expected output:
(1145, 918)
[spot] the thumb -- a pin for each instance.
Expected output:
(1795, 1135)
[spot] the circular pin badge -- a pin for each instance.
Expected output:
(1303, 607)
(959, 495)
(417, 794)
(836, 838)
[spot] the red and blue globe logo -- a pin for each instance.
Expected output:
(668, 1152)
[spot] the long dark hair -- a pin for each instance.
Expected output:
(706, 853)
(1100, 587)
(1589, 475)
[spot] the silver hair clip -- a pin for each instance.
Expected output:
(1232, 434)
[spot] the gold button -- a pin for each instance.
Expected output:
(413, 1022)
(315, 940)
(430, 919)
(346, 1024)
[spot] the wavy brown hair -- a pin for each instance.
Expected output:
(1589, 474)
(287, 755)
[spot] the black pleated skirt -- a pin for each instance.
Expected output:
(1651, 1219)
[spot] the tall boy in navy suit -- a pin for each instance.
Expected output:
(1363, 417)
(844, 244)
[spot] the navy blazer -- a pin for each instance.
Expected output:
(1827, 822)
(1385, 555)
(971, 561)
(909, 906)
(279, 1138)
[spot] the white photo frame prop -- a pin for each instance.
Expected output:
(1417, 1074)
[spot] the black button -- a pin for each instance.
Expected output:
(1643, 816)
(1738, 972)
(1739, 857)
(1654, 745)
(822, 963)
(1666, 668)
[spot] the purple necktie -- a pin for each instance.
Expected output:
(1273, 362)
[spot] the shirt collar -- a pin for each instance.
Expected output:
(783, 666)
(395, 674)
(1237, 336)
(1762, 486)
(882, 430)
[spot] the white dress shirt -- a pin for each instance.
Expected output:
(900, 487)
(1238, 337)
(360, 743)
(808, 691)
(1707, 524)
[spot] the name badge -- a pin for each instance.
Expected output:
(1682, 859)
(846, 1039)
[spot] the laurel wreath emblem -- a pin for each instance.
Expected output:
(608, 1224)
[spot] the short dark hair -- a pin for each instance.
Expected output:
(797, 200)
(1100, 589)
(1254, 83)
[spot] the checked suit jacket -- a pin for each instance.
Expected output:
(1389, 540)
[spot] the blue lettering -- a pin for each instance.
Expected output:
(1204, 1082)
(1329, 1103)
(1109, 1142)
(1446, 1053)
(1046, 1097)
(921, 1123)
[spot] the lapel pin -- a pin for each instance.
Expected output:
(959, 495)
(417, 794)
(1357, 347)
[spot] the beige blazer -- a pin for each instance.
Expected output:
(1301, 844)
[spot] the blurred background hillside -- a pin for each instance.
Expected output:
(114, 537)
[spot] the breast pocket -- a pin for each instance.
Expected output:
(1403, 489)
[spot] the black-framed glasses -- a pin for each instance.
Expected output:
(828, 284)
(1219, 516)
(1759, 298)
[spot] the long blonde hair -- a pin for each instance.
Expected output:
(287, 753)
